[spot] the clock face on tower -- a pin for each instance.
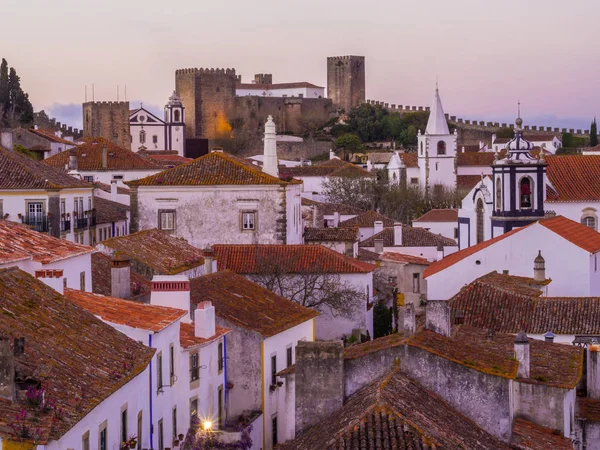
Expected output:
(176, 128)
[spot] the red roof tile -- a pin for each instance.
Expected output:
(574, 232)
(439, 215)
(248, 305)
(530, 436)
(330, 234)
(331, 168)
(467, 182)
(410, 159)
(575, 177)
(101, 278)
(291, 258)
(367, 219)
(475, 159)
(106, 188)
(108, 211)
(328, 209)
(51, 136)
(188, 338)
(402, 258)
(411, 237)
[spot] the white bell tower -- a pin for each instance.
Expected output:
(175, 127)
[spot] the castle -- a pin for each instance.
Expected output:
(109, 120)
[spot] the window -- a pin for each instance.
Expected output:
(161, 435)
(171, 365)
(139, 431)
(525, 193)
(441, 148)
(421, 148)
(479, 220)
(194, 369)
(220, 406)
(455, 233)
(117, 177)
(142, 137)
(498, 194)
(82, 281)
(103, 437)
(274, 430)
(124, 425)
(85, 441)
(176, 115)
(62, 207)
(154, 139)
(35, 211)
(193, 410)
(416, 283)
(174, 422)
(248, 220)
(159, 378)
(392, 280)
(220, 355)
(289, 355)
(589, 222)
(414, 181)
(166, 219)
(64, 282)
(274, 370)
(89, 203)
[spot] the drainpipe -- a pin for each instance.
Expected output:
(150, 392)
(225, 380)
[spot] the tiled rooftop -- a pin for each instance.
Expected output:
(588, 409)
(126, 312)
(331, 168)
(411, 237)
(551, 364)
(89, 157)
(529, 436)
(101, 277)
(330, 234)
(19, 240)
(163, 253)
(574, 178)
(374, 346)
(410, 159)
(402, 258)
(467, 182)
(289, 258)
(106, 188)
(188, 339)
(215, 168)
(248, 305)
(67, 349)
(108, 211)
(439, 215)
(51, 136)
(328, 209)
(367, 219)
(394, 412)
(18, 171)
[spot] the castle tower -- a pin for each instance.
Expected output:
(437, 150)
(175, 124)
(519, 182)
(109, 120)
(346, 81)
(208, 95)
(270, 161)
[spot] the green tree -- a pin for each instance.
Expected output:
(593, 134)
(350, 142)
(366, 121)
(20, 110)
(4, 96)
(382, 321)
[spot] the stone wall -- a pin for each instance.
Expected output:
(109, 120)
(544, 405)
(346, 81)
(42, 120)
(362, 371)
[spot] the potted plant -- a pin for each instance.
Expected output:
(75, 213)
(6, 216)
(49, 215)
(181, 436)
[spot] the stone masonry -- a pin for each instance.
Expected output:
(346, 81)
(109, 120)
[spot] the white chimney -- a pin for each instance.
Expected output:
(440, 252)
(204, 320)
(113, 190)
(539, 268)
(172, 291)
(73, 159)
(7, 139)
(377, 227)
(331, 154)
(270, 150)
(522, 354)
(397, 233)
(208, 260)
(336, 219)
(120, 276)
(53, 278)
(378, 246)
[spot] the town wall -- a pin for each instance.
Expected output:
(41, 120)
(109, 120)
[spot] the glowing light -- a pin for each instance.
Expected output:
(207, 425)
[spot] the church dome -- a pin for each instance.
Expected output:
(174, 100)
(519, 143)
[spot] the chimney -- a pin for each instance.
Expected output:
(336, 219)
(113, 190)
(522, 354)
(397, 233)
(104, 157)
(53, 278)
(7, 139)
(204, 320)
(120, 276)
(73, 159)
(437, 317)
(331, 154)
(549, 336)
(172, 291)
(270, 149)
(208, 260)
(7, 371)
(315, 219)
(440, 252)
(377, 226)
(593, 370)
(378, 245)
(410, 321)
(539, 268)
(319, 381)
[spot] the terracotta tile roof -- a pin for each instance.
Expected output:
(380, 157)
(101, 277)
(411, 160)
(71, 352)
(126, 312)
(163, 253)
(439, 215)
(291, 258)
(367, 219)
(509, 304)
(265, 87)
(475, 159)
(330, 234)
(106, 188)
(402, 258)
(574, 177)
(89, 157)
(331, 168)
(288, 370)
(411, 237)
(215, 168)
(550, 364)
(574, 232)
(51, 136)
(502, 140)
(529, 436)
(467, 182)
(18, 239)
(328, 209)
(169, 161)
(366, 255)
(373, 346)
(18, 171)
(188, 339)
(593, 149)
(394, 412)
(108, 211)
(470, 148)
(588, 409)
(248, 305)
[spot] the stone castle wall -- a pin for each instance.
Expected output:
(346, 81)
(109, 120)
(41, 120)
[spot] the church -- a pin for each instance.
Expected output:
(149, 132)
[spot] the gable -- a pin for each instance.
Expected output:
(136, 117)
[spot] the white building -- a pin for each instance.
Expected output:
(548, 142)
(149, 132)
(439, 221)
(112, 219)
(300, 90)
(219, 198)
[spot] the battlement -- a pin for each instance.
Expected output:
(205, 71)
(348, 57)
(41, 120)
(110, 102)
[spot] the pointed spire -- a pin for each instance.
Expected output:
(270, 149)
(437, 120)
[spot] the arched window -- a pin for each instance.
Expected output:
(589, 222)
(176, 115)
(498, 194)
(589, 218)
(421, 148)
(525, 189)
(154, 139)
(441, 148)
(142, 137)
(479, 220)
(394, 177)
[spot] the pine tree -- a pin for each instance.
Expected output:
(21, 110)
(4, 95)
(593, 134)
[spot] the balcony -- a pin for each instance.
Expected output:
(39, 223)
(65, 225)
(80, 222)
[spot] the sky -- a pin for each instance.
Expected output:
(487, 56)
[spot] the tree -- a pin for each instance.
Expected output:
(4, 96)
(350, 142)
(593, 134)
(353, 191)
(366, 121)
(15, 106)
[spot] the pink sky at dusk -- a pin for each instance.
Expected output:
(487, 55)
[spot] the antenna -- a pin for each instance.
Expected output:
(125, 92)
(93, 98)
(86, 93)
(117, 92)
(436, 82)
(519, 108)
